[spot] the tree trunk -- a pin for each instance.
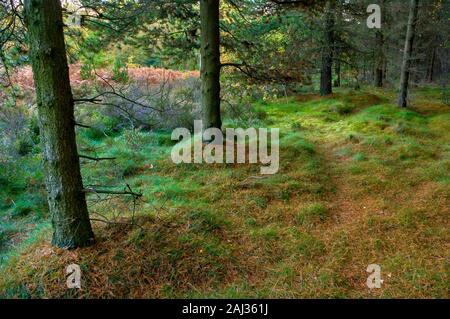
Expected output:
(210, 63)
(67, 203)
(430, 75)
(407, 54)
(327, 51)
(379, 63)
(337, 67)
(380, 59)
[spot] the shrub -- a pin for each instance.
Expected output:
(166, 106)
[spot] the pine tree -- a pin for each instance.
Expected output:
(66, 200)
(210, 63)
(407, 54)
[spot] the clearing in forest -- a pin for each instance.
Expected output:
(360, 182)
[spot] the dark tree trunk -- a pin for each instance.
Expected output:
(407, 54)
(67, 204)
(379, 59)
(210, 63)
(430, 75)
(327, 51)
(337, 43)
(337, 67)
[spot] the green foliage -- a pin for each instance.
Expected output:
(120, 70)
(93, 55)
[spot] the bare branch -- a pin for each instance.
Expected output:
(97, 159)
(102, 191)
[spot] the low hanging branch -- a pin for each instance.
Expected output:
(111, 192)
(82, 125)
(97, 159)
(98, 99)
(244, 68)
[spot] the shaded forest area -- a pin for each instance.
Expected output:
(91, 91)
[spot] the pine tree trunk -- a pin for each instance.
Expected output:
(210, 63)
(327, 51)
(380, 58)
(379, 66)
(337, 44)
(407, 55)
(430, 75)
(337, 67)
(67, 204)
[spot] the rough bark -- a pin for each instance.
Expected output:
(210, 63)
(66, 200)
(407, 54)
(327, 51)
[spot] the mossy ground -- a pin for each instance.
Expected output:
(360, 182)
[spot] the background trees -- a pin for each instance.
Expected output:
(380, 59)
(327, 49)
(407, 53)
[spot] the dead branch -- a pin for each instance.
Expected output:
(97, 159)
(103, 191)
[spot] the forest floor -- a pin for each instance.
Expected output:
(361, 182)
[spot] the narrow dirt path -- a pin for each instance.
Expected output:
(346, 204)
